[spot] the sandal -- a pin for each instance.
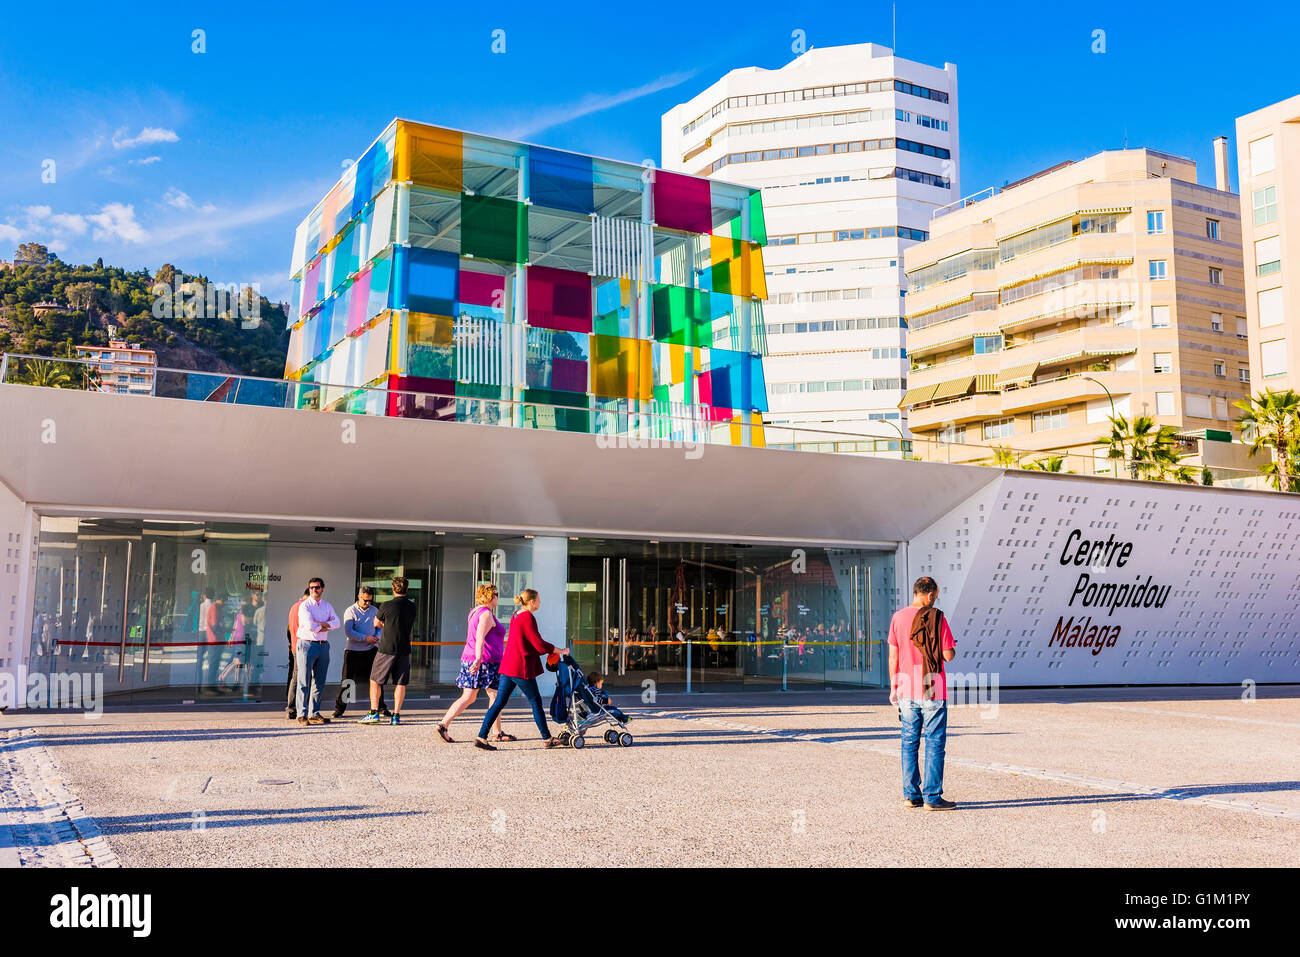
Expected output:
(442, 733)
(502, 736)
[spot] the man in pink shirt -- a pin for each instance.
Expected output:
(921, 692)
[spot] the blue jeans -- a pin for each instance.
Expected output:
(507, 687)
(928, 719)
(313, 662)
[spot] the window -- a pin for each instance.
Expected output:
(1261, 155)
(1268, 256)
(1211, 229)
(1050, 419)
(1159, 317)
(999, 428)
(1270, 307)
(987, 344)
(1241, 327)
(1164, 403)
(1216, 321)
(1272, 358)
(1243, 373)
(1155, 221)
(1157, 268)
(953, 433)
(1164, 362)
(1216, 276)
(1220, 369)
(1264, 202)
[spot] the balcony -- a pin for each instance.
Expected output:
(1067, 389)
(967, 408)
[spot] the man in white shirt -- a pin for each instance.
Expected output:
(316, 619)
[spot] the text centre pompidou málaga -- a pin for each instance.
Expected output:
(455, 276)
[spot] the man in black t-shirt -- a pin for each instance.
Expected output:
(393, 656)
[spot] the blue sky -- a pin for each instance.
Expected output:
(209, 160)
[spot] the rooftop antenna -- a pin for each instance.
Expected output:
(894, 8)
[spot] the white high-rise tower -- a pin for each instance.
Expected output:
(854, 149)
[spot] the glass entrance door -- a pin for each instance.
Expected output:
(407, 557)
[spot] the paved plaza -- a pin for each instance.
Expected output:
(1076, 777)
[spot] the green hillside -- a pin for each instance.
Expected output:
(48, 307)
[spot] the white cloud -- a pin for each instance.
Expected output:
(145, 160)
(591, 103)
(69, 223)
(149, 134)
(117, 221)
(37, 212)
(181, 200)
(9, 234)
(57, 246)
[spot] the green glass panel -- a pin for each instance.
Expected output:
(493, 228)
(681, 316)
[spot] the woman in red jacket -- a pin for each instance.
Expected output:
(520, 666)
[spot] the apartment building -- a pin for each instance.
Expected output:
(1109, 285)
(1268, 170)
(122, 366)
(854, 148)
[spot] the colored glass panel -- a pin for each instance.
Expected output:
(621, 368)
(359, 303)
(431, 281)
(681, 315)
(482, 295)
(417, 397)
(381, 274)
(555, 409)
(429, 350)
(682, 202)
(561, 180)
(429, 156)
(757, 219)
(492, 228)
(557, 360)
(559, 299)
(616, 308)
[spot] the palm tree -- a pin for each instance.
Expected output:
(1053, 463)
(1151, 451)
(1003, 457)
(47, 374)
(1272, 421)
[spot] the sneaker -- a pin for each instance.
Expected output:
(317, 719)
(337, 715)
(371, 717)
(303, 722)
(293, 716)
(385, 713)
(395, 719)
(940, 805)
(912, 802)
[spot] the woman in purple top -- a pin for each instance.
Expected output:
(480, 662)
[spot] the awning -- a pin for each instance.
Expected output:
(986, 383)
(1105, 209)
(953, 387)
(1073, 311)
(1017, 373)
(920, 350)
(1075, 264)
(920, 393)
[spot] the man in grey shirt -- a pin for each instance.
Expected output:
(359, 655)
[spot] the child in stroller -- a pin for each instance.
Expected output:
(580, 705)
(596, 689)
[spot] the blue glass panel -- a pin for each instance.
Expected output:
(561, 180)
(431, 281)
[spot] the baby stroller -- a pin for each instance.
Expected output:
(574, 706)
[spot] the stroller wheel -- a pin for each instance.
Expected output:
(625, 740)
(578, 742)
(611, 736)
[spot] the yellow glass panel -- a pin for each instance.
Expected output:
(622, 368)
(757, 278)
(429, 156)
(430, 330)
